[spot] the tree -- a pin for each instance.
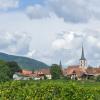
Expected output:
(7, 69)
(4, 71)
(56, 71)
(98, 78)
(14, 67)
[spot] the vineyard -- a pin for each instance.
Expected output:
(49, 90)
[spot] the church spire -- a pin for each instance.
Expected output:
(82, 56)
(60, 64)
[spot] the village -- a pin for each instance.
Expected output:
(79, 72)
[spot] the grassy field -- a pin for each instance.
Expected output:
(50, 90)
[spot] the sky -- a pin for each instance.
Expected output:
(51, 30)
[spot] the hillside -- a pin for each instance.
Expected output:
(24, 62)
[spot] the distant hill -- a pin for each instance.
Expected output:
(24, 62)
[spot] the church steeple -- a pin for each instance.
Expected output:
(83, 62)
(82, 56)
(60, 64)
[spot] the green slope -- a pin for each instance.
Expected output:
(24, 62)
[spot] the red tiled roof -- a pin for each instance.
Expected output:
(74, 69)
(93, 70)
(73, 66)
(45, 71)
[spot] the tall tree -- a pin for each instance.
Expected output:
(7, 69)
(4, 72)
(56, 71)
(14, 67)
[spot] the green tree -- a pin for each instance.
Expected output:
(56, 71)
(14, 67)
(7, 69)
(98, 78)
(4, 71)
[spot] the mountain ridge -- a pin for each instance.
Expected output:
(24, 62)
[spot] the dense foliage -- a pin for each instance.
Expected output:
(7, 69)
(47, 90)
(4, 71)
(56, 71)
(98, 78)
(14, 67)
(23, 62)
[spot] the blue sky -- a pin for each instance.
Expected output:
(23, 4)
(51, 30)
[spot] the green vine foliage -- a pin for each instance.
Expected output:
(46, 90)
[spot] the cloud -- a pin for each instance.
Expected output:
(70, 10)
(67, 40)
(14, 43)
(80, 11)
(36, 11)
(30, 54)
(5, 4)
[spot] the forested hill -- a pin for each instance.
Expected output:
(24, 62)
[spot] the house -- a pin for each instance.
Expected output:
(93, 71)
(74, 72)
(47, 73)
(27, 72)
(19, 76)
(44, 72)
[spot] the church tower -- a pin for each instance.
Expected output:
(83, 61)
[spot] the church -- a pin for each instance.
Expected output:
(82, 70)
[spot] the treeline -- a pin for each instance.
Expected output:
(7, 69)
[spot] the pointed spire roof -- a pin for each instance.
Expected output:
(82, 56)
(60, 64)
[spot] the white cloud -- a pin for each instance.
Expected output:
(36, 11)
(5, 4)
(14, 43)
(70, 10)
(80, 11)
(59, 43)
(67, 40)
(30, 54)
(92, 39)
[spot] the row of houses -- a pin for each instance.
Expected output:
(36, 75)
(74, 72)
